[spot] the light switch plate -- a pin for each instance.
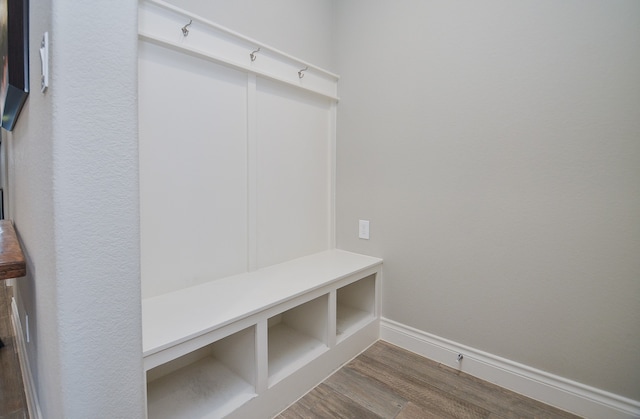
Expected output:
(363, 229)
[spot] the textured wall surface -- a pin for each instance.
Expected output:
(30, 205)
(74, 199)
(495, 148)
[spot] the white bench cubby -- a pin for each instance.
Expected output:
(249, 345)
(297, 336)
(214, 379)
(355, 306)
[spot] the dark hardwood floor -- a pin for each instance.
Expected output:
(389, 382)
(13, 404)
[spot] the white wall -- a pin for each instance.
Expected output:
(495, 147)
(74, 201)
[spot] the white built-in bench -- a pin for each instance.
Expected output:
(249, 345)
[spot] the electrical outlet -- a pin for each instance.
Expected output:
(363, 229)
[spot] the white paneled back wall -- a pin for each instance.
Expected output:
(193, 169)
(236, 156)
(293, 173)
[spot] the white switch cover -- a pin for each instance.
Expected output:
(363, 229)
(44, 62)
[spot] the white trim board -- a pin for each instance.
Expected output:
(27, 378)
(160, 22)
(551, 389)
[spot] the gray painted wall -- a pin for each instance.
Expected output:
(73, 167)
(495, 148)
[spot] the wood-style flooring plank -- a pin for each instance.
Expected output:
(500, 401)
(370, 394)
(324, 402)
(413, 411)
(12, 399)
(420, 393)
(389, 382)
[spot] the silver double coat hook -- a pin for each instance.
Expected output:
(185, 31)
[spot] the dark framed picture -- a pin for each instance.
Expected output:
(14, 47)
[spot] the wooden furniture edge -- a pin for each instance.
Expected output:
(12, 261)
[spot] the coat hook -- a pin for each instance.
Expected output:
(253, 54)
(185, 31)
(300, 73)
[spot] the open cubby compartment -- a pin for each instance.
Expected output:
(209, 382)
(296, 337)
(355, 306)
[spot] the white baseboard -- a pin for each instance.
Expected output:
(560, 392)
(27, 378)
